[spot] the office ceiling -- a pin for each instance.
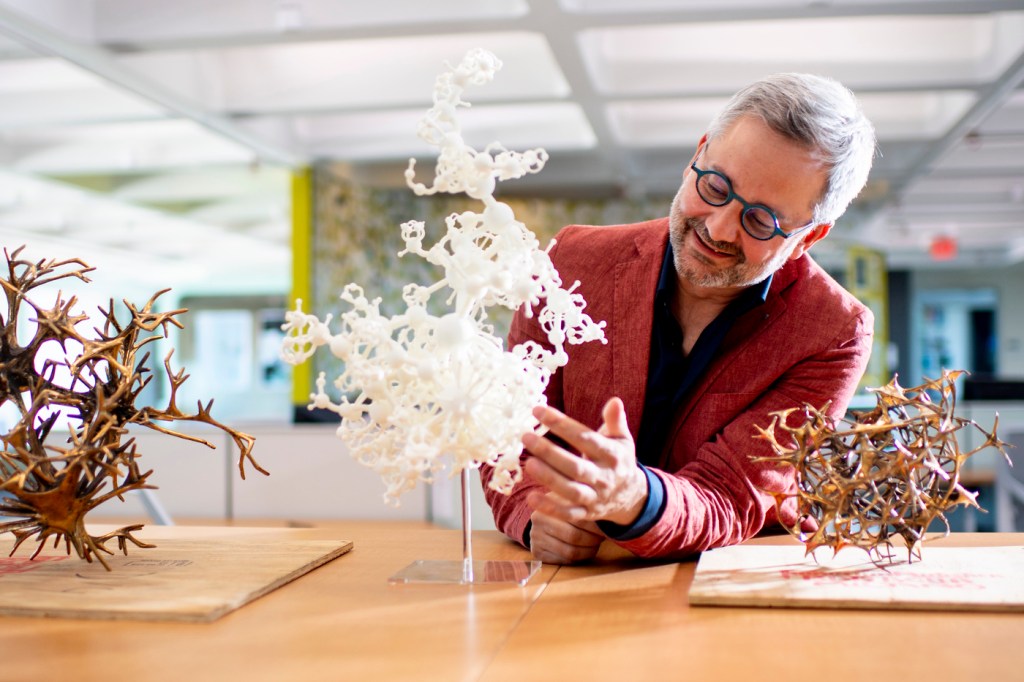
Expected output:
(156, 137)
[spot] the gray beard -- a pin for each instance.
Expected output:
(739, 274)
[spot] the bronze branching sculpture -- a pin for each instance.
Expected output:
(95, 381)
(885, 473)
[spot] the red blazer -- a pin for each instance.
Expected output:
(808, 343)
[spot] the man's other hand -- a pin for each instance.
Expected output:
(555, 541)
(601, 483)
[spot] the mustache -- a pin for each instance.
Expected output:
(701, 229)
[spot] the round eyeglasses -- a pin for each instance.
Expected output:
(759, 221)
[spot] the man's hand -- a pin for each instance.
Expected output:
(555, 541)
(602, 483)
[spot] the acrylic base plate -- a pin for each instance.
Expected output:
(464, 572)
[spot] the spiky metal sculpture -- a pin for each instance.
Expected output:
(888, 473)
(50, 488)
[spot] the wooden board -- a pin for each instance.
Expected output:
(945, 579)
(193, 574)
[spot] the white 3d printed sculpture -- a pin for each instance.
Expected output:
(429, 389)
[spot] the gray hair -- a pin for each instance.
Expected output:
(818, 113)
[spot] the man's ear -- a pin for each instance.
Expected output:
(815, 234)
(700, 147)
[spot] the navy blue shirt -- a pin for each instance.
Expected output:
(670, 376)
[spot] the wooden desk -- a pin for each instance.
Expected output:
(618, 619)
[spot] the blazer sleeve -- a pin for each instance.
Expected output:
(720, 496)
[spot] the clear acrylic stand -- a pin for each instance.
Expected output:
(467, 571)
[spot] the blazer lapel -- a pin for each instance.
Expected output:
(635, 281)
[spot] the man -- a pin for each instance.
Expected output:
(716, 318)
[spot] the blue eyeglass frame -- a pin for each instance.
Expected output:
(747, 206)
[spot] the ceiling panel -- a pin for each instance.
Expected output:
(125, 148)
(640, 7)
(131, 23)
(895, 115)
(351, 74)
(389, 134)
(889, 52)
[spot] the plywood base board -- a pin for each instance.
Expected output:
(946, 579)
(193, 574)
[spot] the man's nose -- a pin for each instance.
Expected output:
(723, 222)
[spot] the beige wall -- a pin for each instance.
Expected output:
(311, 477)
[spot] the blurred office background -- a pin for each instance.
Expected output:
(245, 152)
